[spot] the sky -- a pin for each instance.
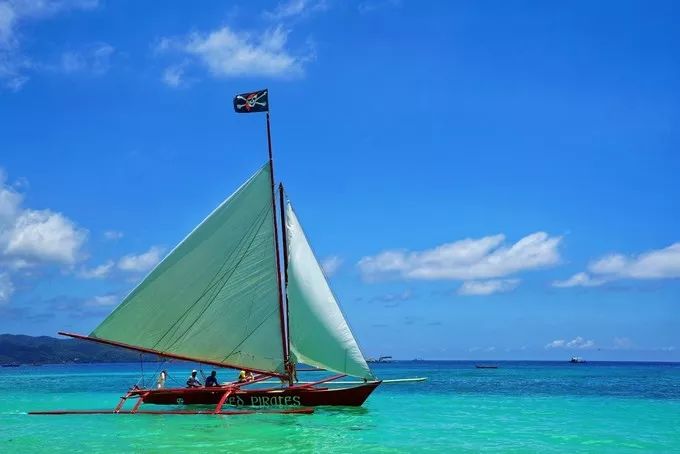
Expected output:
(481, 180)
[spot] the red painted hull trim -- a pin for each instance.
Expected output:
(290, 397)
(290, 411)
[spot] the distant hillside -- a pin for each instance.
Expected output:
(19, 349)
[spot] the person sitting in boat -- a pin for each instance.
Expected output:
(250, 376)
(242, 376)
(211, 380)
(160, 383)
(192, 381)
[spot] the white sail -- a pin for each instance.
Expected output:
(319, 334)
(215, 296)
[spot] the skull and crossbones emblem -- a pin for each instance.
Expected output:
(250, 101)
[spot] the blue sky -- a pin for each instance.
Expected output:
(493, 180)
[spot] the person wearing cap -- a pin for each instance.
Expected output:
(192, 381)
(211, 380)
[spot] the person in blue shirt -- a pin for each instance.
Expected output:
(211, 380)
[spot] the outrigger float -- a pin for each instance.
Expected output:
(221, 298)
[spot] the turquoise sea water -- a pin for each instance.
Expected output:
(520, 407)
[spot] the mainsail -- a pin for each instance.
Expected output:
(319, 334)
(215, 296)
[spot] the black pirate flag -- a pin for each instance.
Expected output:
(257, 101)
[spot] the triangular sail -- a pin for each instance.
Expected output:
(215, 296)
(319, 334)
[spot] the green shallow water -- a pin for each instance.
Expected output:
(520, 407)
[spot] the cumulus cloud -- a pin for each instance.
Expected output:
(655, 264)
(487, 287)
(576, 343)
(29, 237)
(15, 13)
(468, 259)
(44, 236)
(229, 53)
(142, 262)
(331, 265)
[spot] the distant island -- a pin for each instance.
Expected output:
(21, 349)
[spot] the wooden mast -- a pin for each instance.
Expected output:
(291, 370)
(282, 317)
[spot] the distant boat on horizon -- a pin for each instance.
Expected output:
(577, 359)
(486, 366)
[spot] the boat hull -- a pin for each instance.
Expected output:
(294, 396)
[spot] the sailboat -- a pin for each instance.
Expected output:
(220, 298)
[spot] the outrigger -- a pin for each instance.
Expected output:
(221, 298)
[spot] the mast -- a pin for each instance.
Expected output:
(285, 275)
(282, 317)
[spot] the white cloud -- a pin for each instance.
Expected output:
(102, 301)
(579, 280)
(295, 8)
(95, 60)
(29, 237)
(557, 343)
(487, 287)
(44, 236)
(98, 272)
(6, 288)
(10, 200)
(173, 76)
(331, 265)
(466, 259)
(579, 342)
(141, 262)
(113, 235)
(576, 343)
(229, 53)
(655, 264)
(14, 13)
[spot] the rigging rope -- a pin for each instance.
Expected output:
(141, 363)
